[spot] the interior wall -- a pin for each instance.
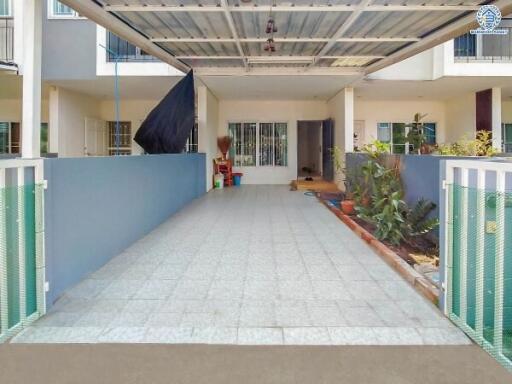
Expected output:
(134, 111)
(72, 109)
(373, 112)
(207, 119)
(289, 111)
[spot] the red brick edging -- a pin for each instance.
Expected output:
(412, 276)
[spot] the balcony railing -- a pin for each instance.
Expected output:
(484, 48)
(125, 51)
(6, 40)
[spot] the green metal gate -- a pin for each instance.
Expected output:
(21, 244)
(478, 249)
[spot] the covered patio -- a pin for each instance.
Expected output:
(256, 265)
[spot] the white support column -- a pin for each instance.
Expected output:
(31, 117)
(349, 120)
(496, 119)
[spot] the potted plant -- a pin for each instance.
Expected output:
(348, 202)
(416, 136)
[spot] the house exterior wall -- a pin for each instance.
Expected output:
(373, 112)
(460, 117)
(208, 120)
(288, 111)
(134, 111)
(10, 110)
(69, 47)
(69, 110)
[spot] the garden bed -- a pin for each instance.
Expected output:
(403, 259)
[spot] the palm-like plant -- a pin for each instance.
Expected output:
(416, 135)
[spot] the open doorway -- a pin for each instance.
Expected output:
(309, 150)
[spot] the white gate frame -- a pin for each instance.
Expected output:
(481, 168)
(21, 165)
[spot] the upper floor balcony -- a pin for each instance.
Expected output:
(6, 39)
(123, 51)
(470, 48)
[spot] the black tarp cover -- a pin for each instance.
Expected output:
(168, 126)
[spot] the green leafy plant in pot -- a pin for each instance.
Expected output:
(348, 203)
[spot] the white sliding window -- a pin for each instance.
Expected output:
(273, 144)
(272, 148)
(243, 146)
(266, 144)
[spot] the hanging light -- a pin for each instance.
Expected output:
(271, 26)
(269, 45)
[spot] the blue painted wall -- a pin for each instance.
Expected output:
(96, 207)
(420, 175)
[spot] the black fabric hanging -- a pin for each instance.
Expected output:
(167, 127)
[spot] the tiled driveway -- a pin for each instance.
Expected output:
(251, 265)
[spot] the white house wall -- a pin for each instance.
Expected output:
(73, 108)
(271, 111)
(460, 117)
(10, 110)
(373, 112)
(207, 119)
(134, 111)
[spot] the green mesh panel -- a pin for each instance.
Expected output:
(457, 214)
(19, 202)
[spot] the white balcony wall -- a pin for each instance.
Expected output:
(418, 67)
(288, 111)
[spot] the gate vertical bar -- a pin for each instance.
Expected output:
(21, 243)
(480, 247)
(448, 246)
(4, 307)
(39, 236)
(499, 262)
(464, 176)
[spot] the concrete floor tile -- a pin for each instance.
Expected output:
(260, 336)
(306, 336)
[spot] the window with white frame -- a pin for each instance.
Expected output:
(5, 8)
(396, 135)
(243, 145)
(10, 138)
(259, 144)
(506, 136)
(119, 141)
(57, 10)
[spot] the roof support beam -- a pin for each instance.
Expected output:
(276, 58)
(357, 72)
(289, 8)
(342, 29)
(232, 28)
(284, 40)
(451, 31)
(97, 14)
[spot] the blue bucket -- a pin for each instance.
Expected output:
(237, 179)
